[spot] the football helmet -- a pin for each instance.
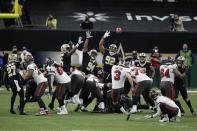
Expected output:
(29, 59)
(50, 61)
(153, 94)
(180, 61)
(170, 60)
(65, 48)
(93, 54)
(134, 54)
(12, 58)
(142, 57)
(113, 49)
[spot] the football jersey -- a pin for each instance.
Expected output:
(138, 74)
(110, 60)
(88, 65)
(50, 70)
(145, 66)
(93, 78)
(65, 61)
(61, 77)
(118, 74)
(166, 72)
(37, 74)
(178, 81)
(11, 70)
(76, 72)
(167, 101)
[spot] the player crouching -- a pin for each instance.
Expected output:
(167, 108)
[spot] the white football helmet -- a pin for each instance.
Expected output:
(65, 48)
(93, 54)
(142, 57)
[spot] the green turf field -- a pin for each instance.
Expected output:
(80, 121)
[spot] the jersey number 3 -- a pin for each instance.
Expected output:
(117, 75)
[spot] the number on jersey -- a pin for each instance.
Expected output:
(137, 70)
(60, 70)
(90, 66)
(11, 70)
(117, 75)
(165, 73)
(110, 60)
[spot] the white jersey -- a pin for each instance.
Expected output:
(166, 72)
(23, 54)
(61, 77)
(37, 74)
(118, 74)
(76, 72)
(167, 101)
(50, 70)
(138, 74)
(93, 78)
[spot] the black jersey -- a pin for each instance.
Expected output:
(131, 61)
(145, 66)
(109, 61)
(65, 61)
(178, 81)
(10, 70)
(88, 65)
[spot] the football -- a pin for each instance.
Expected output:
(118, 30)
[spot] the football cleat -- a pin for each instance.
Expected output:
(23, 113)
(83, 109)
(12, 111)
(41, 112)
(165, 119)
(194, 113)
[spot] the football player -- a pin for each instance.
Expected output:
(179, 86)
(168, 73)
(24, 53)
(119, 74)
(89, 58)
(130, 61)
(110, 57)
(145, 65)
(91, 86)
(143, 85)
(65, 56)
(51, 74)
(33, 71)
(63, 86)
(167, 108)
(11, 71)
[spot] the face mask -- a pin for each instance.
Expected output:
(14, 52)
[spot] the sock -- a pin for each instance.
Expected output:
(179, 105)
(189, 105)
